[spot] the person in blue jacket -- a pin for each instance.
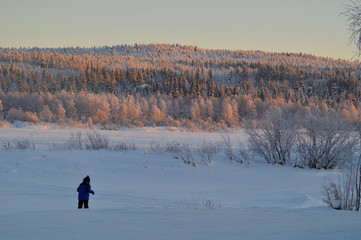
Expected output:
(83, 192)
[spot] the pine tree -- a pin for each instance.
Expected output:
(36, 82)
(44, 87)
(211, 88)
(73, 85)
(198, 84)
(141, 80)
(120, 76)
(262, 95)
(175, 88)
(133, 77)
(83, 80)
(113, 83)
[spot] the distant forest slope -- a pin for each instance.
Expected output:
(172, 85)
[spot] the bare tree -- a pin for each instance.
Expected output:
(352, 13)
(275, 137)
(358, 185)
(358, 167)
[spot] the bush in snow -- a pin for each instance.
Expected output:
(346, 194)
(231, 155)
(21, 144)
(75, 141)
(227, 147)
(24, 144)
(96, 141)
(243, 154)
(332, 194)
(170, 147)
(187, 156)
(207, 152)
(326, 141)
(6, 145)
(123, 147)
(155, 147)
(173, 147)
(274, 139)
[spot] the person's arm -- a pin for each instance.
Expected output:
(89, 190)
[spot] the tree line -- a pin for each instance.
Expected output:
(183, 83)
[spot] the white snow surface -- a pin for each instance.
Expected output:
(145, 195)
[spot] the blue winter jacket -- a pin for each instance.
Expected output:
(83, 191)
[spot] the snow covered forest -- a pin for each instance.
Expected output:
(171, 85)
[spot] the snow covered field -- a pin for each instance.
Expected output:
(147, 195)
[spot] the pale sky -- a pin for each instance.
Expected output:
(308, 26)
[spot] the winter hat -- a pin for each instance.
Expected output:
(87, 179)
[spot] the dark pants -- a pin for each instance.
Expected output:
(81, 202)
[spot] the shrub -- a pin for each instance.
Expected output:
(207, 152)
(229, 152)
(173, 147)
(96, 141)
(75, 141)
(21, 144)
(243, 155)
(187, 156)
(346, 194)
(274, 139)
(332, 194)
(326, 141)
(124, 147)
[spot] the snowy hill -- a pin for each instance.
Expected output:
(148, 195)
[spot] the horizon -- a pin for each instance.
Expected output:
(175, 44)
(281, 26)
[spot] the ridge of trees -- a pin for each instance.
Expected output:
(190, 84)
